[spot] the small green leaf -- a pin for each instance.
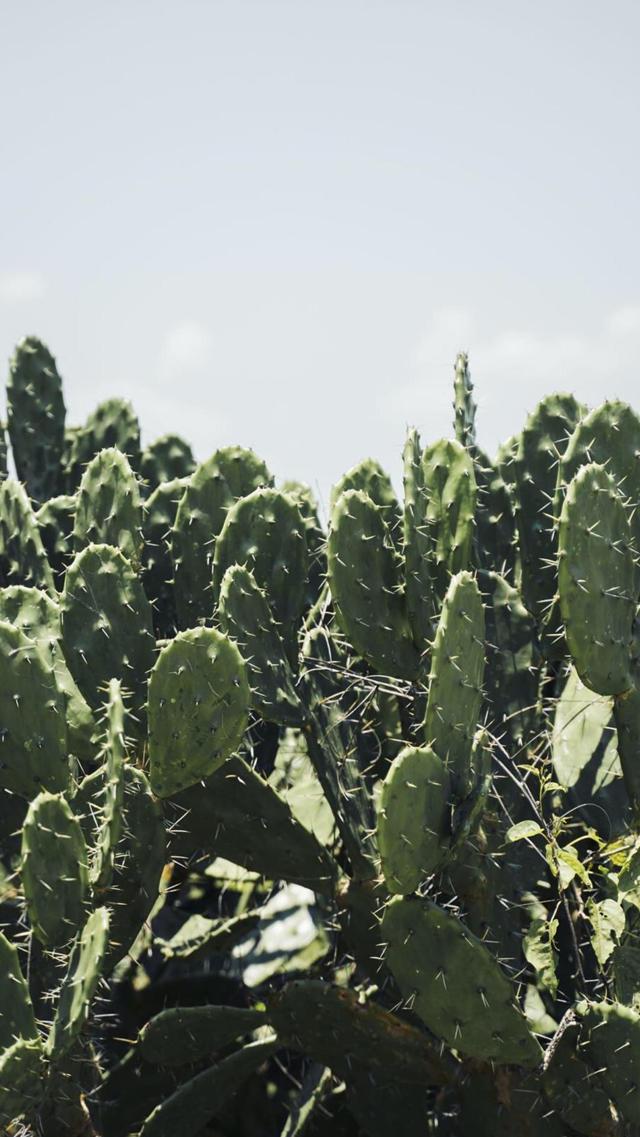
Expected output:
(607, 920)
(523, 830)
(538, 949)
(570, 866)
(629, 880)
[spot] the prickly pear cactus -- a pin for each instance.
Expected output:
(318, 834)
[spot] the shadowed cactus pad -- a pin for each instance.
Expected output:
(167, 458)
(179, 1035)
(22, 1077)
(456, 986)
(198, 708)
(610, 1043)
(36, 417)
(414, 818)
(22, 555)
(79, 984)
(16, 1012)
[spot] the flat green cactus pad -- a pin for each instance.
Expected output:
(107, 630)
(79, 984)
(450, 497)
(16, 1012)
(597, 581)
(54, 869)
(455, 681)
(455, 985)
(245, 615)
(414, 818)
(179, 1035)
(365, 586)
(198, 708)
(108, 508)
(610, 1045)
(265, 533)
(22, 1081)
(33, 732)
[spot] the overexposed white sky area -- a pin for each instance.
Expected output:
(274, 222)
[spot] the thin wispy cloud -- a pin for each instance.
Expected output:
(187, 350)
(21, 287)
(513, 369)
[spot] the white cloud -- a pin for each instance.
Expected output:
(186, 350)
(513, 369)
(19, 287)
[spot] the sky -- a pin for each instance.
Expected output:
(275, 222)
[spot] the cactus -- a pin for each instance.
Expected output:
(34, 613)
(166, 459)
(112, 424)
(157, 566)
(212, 488)
(198, 706)
(455, 682)
(36, 418)
(181, 1035)
(107, 628)
(108, 508)
(54, 863)
(454, 984)
(32, 715)
(363, 577)
(265, 532)
(22, 556)
(540, 448)
(55, 520)
(369, 478)
(414, 817)
(413, 784)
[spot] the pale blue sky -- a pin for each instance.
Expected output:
(274, 223)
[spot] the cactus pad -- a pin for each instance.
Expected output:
(597, 581)
(244, 615)
(33, 732)
(54, 870)
(179, 1035)
(108, 508)
(455, 681)
(198, 708)
(106, 628)
(414, 818)
(79, 984)
(453, 983)
(363, 573)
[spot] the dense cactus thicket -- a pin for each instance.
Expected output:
(308, 832)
